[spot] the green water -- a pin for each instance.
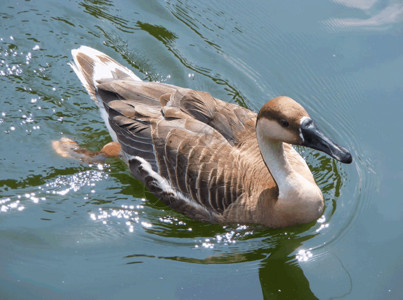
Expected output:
(73, 231)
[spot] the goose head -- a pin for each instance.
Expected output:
(282, 119)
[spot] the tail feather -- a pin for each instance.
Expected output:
(91, 66)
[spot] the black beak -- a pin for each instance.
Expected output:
(314, 138)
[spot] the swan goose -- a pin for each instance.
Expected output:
(211, 160)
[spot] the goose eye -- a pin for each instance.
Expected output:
(284, 123)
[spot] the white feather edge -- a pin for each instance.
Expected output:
(164, 184)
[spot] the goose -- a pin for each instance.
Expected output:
(208, 159)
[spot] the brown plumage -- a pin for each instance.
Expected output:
(204, 157)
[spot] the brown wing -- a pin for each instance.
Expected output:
(189, 139)
(230, 120)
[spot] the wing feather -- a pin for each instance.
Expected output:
(188, 137)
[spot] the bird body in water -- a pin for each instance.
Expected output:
(211, 160)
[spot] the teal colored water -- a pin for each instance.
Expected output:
(75, 231)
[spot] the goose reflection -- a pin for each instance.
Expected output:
(280, 274)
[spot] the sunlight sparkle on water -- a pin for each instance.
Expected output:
(172, 220)
(322, 223)
(11, 64)
(7, 204)
(303, 255)
(322, 226)
(146, 224)
(227, 238)
(60, 186)
(126, 216)
(65, 184)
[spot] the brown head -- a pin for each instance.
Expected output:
(283, 119)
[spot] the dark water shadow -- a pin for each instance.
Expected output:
(280, 274)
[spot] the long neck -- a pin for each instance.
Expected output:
(293, 186)
(279, 166)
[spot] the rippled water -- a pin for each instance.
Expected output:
(76, 230)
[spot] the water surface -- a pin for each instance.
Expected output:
(71, 230)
